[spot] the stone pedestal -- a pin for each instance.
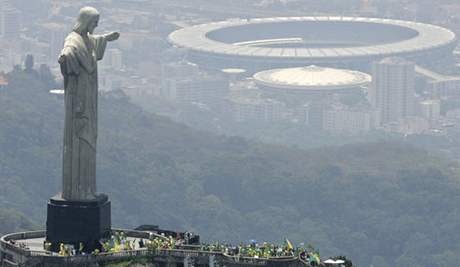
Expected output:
(72, 222)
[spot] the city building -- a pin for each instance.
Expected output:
(408, 126)
(445, 88)
(9, 58)
(180, 69)
(368, 8)
(453, 114)
(314, 115)
(113, 59)
(3, 82)
(341, 119)
(437, 84)
(209, 90)
(393, 89)
(109, 81)
(430, 109)
(10, 22)
(234, 75)
(54, 34)
(254, 109)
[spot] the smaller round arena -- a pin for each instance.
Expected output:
(311, 80)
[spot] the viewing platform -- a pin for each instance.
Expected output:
(27, 249)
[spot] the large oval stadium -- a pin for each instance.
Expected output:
(266, 43)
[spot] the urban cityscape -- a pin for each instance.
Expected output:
(317, 79)
(184, 78)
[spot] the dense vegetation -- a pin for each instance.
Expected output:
(12, 221)
(385, 204)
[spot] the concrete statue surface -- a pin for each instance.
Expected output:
(79, 214)
(78, 61)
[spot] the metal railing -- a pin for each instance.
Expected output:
(178, 253)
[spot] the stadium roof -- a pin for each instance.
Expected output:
(427, 37)
(312, 78)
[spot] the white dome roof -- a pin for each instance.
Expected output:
(312, 78)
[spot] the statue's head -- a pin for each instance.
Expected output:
(87, 20)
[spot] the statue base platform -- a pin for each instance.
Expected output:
(74, 222)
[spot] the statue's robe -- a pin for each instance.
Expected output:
(79, 68)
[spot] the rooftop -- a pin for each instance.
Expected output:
(233, 71)
(395, 61)
(312, 78)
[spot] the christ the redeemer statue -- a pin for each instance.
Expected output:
(79, 215)
(78, 62)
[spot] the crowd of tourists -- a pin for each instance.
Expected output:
(18, 244)
(158, 243)
(119, 242)
(266, 250)
(66, 250)
(251, 250)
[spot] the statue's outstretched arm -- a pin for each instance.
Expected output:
(113, 36)
(100, 42)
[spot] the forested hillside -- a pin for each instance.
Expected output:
(12, 221)
(385, 204)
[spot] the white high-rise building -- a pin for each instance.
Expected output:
(260, 110)
(206, 90)
(10, 21)
(430, 109)
(55, 35)
(393, 90)
(114, 59)
(341, 119)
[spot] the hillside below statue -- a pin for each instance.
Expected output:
(79, 215)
